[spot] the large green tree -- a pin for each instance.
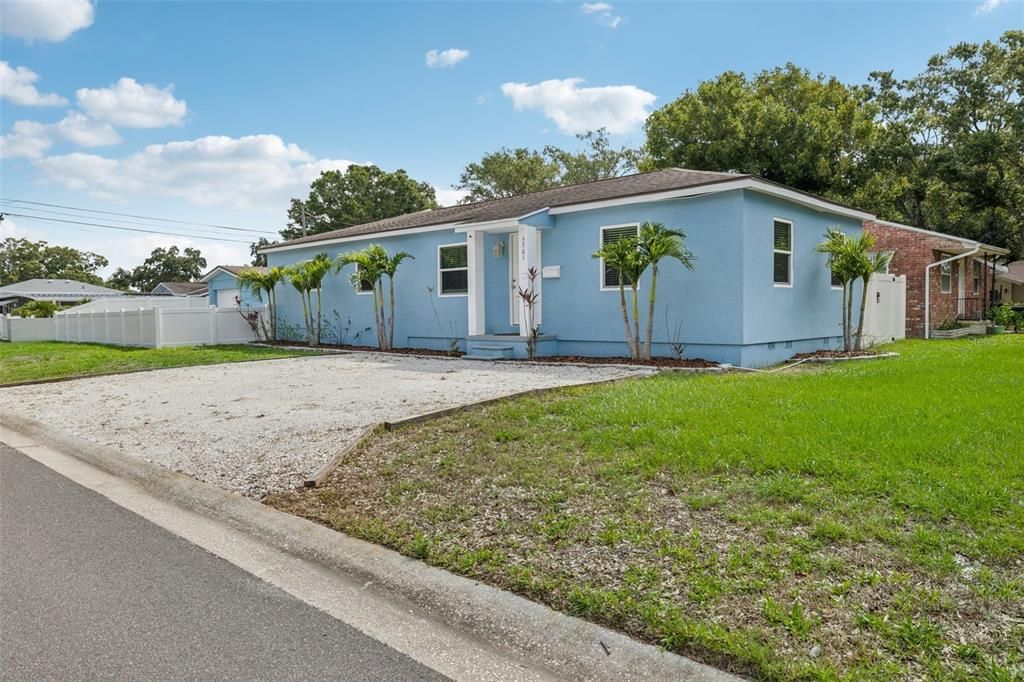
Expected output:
(361, 194)
(952, 155)
(510, 172)
(784, 124)
(507, 173)
(21, 259)
(163, 265)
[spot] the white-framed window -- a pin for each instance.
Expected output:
(452, 270)
(976, 278)
(836, 283)
(365, 285)
(946, 278)
(610, 277)
(782, 253)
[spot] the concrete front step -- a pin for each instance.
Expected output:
(483, 351)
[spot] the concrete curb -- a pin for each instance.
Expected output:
(877, 356)
(566, 646)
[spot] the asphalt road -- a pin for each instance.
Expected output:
(89, 590)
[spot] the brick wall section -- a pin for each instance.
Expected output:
(912, 252)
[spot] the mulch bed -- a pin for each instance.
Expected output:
(696, 363)
(371, 349)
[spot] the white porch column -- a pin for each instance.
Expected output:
(475, 273)
(529, 257)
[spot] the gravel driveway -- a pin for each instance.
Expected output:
(260, 427)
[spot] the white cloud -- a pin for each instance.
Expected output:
(575, 109)
(133, 105)
(78, 128)
(251, 171)
(31, 139)
(49, 20)
(449, 197)
(17, 85)
(28, 139)
(989, 6)
(445, 58)
(603, 13)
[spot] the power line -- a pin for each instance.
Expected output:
(132, 215)
(4, 205)
(127, 229)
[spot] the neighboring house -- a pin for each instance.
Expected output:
(759, 294)
(948, 277)
(180, 289)
(1010, 282)
(224, 288)
(63, 291)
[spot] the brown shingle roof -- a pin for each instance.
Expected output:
(514, 207)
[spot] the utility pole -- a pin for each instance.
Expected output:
(303, 204)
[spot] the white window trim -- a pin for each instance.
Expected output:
(600, 245)
(440, 294)
(792, 250)
(947, 289)
(976, 280)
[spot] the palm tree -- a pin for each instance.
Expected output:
(657, 242)
(306, 277)
(299, 278)
(317, 269)
(841, 262)
(372, 263)
(389, 266)
(624, 256)
(266, 280)
(368, 271)
(867, 264)
(850, 259)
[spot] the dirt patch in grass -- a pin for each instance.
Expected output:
(853, 522)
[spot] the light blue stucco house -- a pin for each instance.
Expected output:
(223, 286)
(760, 292)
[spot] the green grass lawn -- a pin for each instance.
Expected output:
(48, 360)
(861, 520)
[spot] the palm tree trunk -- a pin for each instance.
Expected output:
(318, 320)
(636, 322)
(305, 317)
(859, 344)
(630, 342)
(377, 295)
(848, 324)
(272, 311)
(650, 313)
(391, 313)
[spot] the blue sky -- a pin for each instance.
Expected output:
(218, 112)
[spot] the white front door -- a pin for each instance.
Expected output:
(513, 275)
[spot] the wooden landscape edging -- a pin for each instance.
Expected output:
(318, 477)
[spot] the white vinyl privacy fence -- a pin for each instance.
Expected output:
(149, 322)
(885, 317)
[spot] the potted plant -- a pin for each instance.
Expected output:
(1002, 316)
(950, 328)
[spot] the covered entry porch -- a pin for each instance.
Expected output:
(500, 258)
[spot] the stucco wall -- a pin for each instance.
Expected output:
(347, 314)
(729, 309)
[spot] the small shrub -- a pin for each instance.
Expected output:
(949, 324)
(36, 309)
